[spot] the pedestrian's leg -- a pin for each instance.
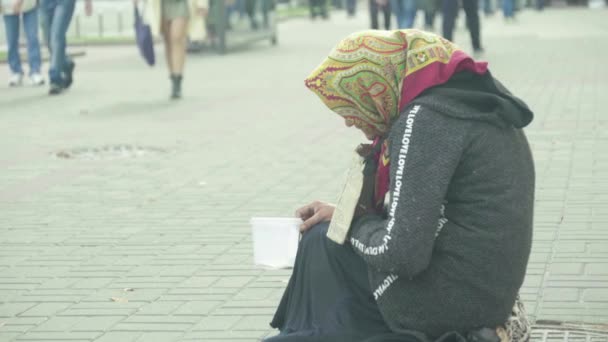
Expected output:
(66, 20)
(471, 11)
(312, 4)
(165, 28)
(30, 25)
(386, 9)
(429, 19)
(324, 8)
(351, 7)
(251, 6)
(62, 15)
(449, 9)
(373, 12)
(11, 26)
(266, 7)
(485, 6)
(540, 4)
(508, 8)
(46, 14)
(397, 11)
(410, 13)
(179, 30)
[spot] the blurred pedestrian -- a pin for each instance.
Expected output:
(488, 7)
(56, 18)
(176, 20)
(430, 9)
(508, 9)
(13, 11)
(318, 7)
(405, 12)
(450, 11)
(351, 7)
(376, 6)
(540, 4)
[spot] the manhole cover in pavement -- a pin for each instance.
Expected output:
(551, 331)
(109, 152)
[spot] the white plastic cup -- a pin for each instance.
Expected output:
(275, 241)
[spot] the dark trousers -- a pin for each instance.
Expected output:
(450, 10)
(318, 7)
(351, 7)
(374, 9)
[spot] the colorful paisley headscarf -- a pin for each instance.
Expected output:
(370, 76)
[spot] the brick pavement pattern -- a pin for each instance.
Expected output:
(124, 217)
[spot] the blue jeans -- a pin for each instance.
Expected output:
(405, 11)
(30, 25)
(508, 8)
(57, 15)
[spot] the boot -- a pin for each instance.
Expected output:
(176, 92)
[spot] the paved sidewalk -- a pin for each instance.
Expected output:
(124, 217)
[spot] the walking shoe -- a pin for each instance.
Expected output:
(15, 80)
(36, 79)
(69, 73)
(56, 89)
(176, 91)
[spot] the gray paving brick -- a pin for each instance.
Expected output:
(156, 326)
(228, 335)
(97, 323)
(561, 294)
(119, 337)
(159, 308)
(197, 308)
(221, 323)
(46, 309)
(252, 323)
(162, 319)
(232, 282)
(13, 309)
(567, 268)
(5, 336)
(160, 337)
(199, 282)
(92, 283)
(56, 324)
(599, 294)
(58, 336)
(597, 269)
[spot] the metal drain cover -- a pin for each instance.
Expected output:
(109, 152)
(550, 331)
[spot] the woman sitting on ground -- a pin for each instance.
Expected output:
(435, 244)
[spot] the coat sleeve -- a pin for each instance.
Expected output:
(425, 149)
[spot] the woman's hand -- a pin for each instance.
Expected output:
(202, 11)
(88, 8)
(314, 213)
(17, 6)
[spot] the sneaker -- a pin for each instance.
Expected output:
(15, 80)
(56, 89)
(36, 79)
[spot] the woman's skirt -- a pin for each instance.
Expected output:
(329, 299)
(172, 9)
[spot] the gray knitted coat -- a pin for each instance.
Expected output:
(450, 253)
